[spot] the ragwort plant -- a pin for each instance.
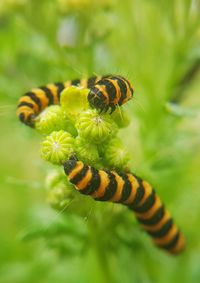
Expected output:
(161, 131)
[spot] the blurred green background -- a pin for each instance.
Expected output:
(156, 44)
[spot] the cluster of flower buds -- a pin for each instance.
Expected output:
(73, 128)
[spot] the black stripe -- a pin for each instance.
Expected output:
(80, 175)
(163, 230)
(69, 165)
(24, 103)
(149, 202)
(94, 183)
(129, 84)
(110, 189)
(110, 88)
(123, 90)
(126, 191)
(75, 82)
(22, 117)
(155, 218)
(35, 99)
(91, 81)
(27, 121)
(48, 93)
(98, 93)
(96, 98)
(172, 243)
(60, 87)
(139, 194)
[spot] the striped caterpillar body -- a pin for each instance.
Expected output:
(109, 92)
(135, 193)
(105, 92)
(35, 101)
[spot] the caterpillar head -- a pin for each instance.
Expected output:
(70, 164)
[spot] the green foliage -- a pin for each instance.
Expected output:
(156, 45)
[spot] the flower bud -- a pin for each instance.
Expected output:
(60, 196)
(95, 127)
(57, 147)
(54, 119)
(86, 152)
(121, 117)
(115, 155)
(73, 101)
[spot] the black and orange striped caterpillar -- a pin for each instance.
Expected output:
(135, 193)
(105, 92)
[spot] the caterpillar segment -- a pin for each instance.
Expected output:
(133, 192)
(32, 103)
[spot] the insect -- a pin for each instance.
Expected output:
(105, 92)
(109, 92)
(133, 192)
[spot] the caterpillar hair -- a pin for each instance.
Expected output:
(135, 193)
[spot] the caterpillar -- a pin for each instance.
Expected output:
(105, 92)
(109, 92)
(133, 192)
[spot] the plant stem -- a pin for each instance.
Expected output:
(102, 258)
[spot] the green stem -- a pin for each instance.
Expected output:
(101, 253)
(102, 258)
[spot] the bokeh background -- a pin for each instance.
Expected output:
(156, 44)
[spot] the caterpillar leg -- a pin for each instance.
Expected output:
(135, 193)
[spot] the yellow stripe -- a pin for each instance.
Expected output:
(158, 225)
(128, 93)
(53, 88)
(151, 211)
(130, 85)
(24, 109)
(104, 181)
(85, 181)
(168, 237)
(134, 187)
(118, 93)
(75, 171)
(120, 183)
(42, 96)
(29, 100)
(180, 245)
(147, 192)
(102, 88)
